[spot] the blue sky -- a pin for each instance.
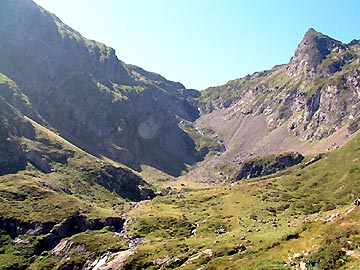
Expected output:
(203, 43)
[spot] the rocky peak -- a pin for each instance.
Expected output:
(354, 42)
(309, 54)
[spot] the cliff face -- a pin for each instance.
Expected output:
(96, 101)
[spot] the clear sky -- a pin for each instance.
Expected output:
(203, 43)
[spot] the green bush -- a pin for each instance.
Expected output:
(329, 257)
(329, 206)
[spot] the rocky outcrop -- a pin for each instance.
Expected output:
(12, 126)
(124, 182)
(42, 159)
(14, 227)
(40, 162)
(12, 158)
(266, 165)
(311, 161)
(75, 225)
(55, 232)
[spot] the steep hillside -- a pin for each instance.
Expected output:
(313, 98)
(51, 190)
(80, 88)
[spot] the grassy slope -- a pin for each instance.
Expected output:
(31, 195)
(274, 218)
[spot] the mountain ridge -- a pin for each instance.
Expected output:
(81, 88)
(310, 99)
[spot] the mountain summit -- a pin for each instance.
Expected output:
(310, 53)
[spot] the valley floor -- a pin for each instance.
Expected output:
(246, 226)
(72, 218)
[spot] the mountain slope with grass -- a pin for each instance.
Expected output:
(303, 216)
(81, 89)
(51, 190)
